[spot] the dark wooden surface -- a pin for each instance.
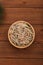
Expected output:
(28, 10)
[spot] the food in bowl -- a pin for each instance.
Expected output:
(21, 34)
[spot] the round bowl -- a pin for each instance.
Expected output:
(21, 34)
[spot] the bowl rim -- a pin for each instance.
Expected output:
(29, 43)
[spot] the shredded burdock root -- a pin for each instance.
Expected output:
(21, 34)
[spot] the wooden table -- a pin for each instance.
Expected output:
(28, 10)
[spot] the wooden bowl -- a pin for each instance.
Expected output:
(21, 34)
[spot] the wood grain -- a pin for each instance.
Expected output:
(21, 62)
(10, 52)
(22, 3)
(32, 12)
(32, 15)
